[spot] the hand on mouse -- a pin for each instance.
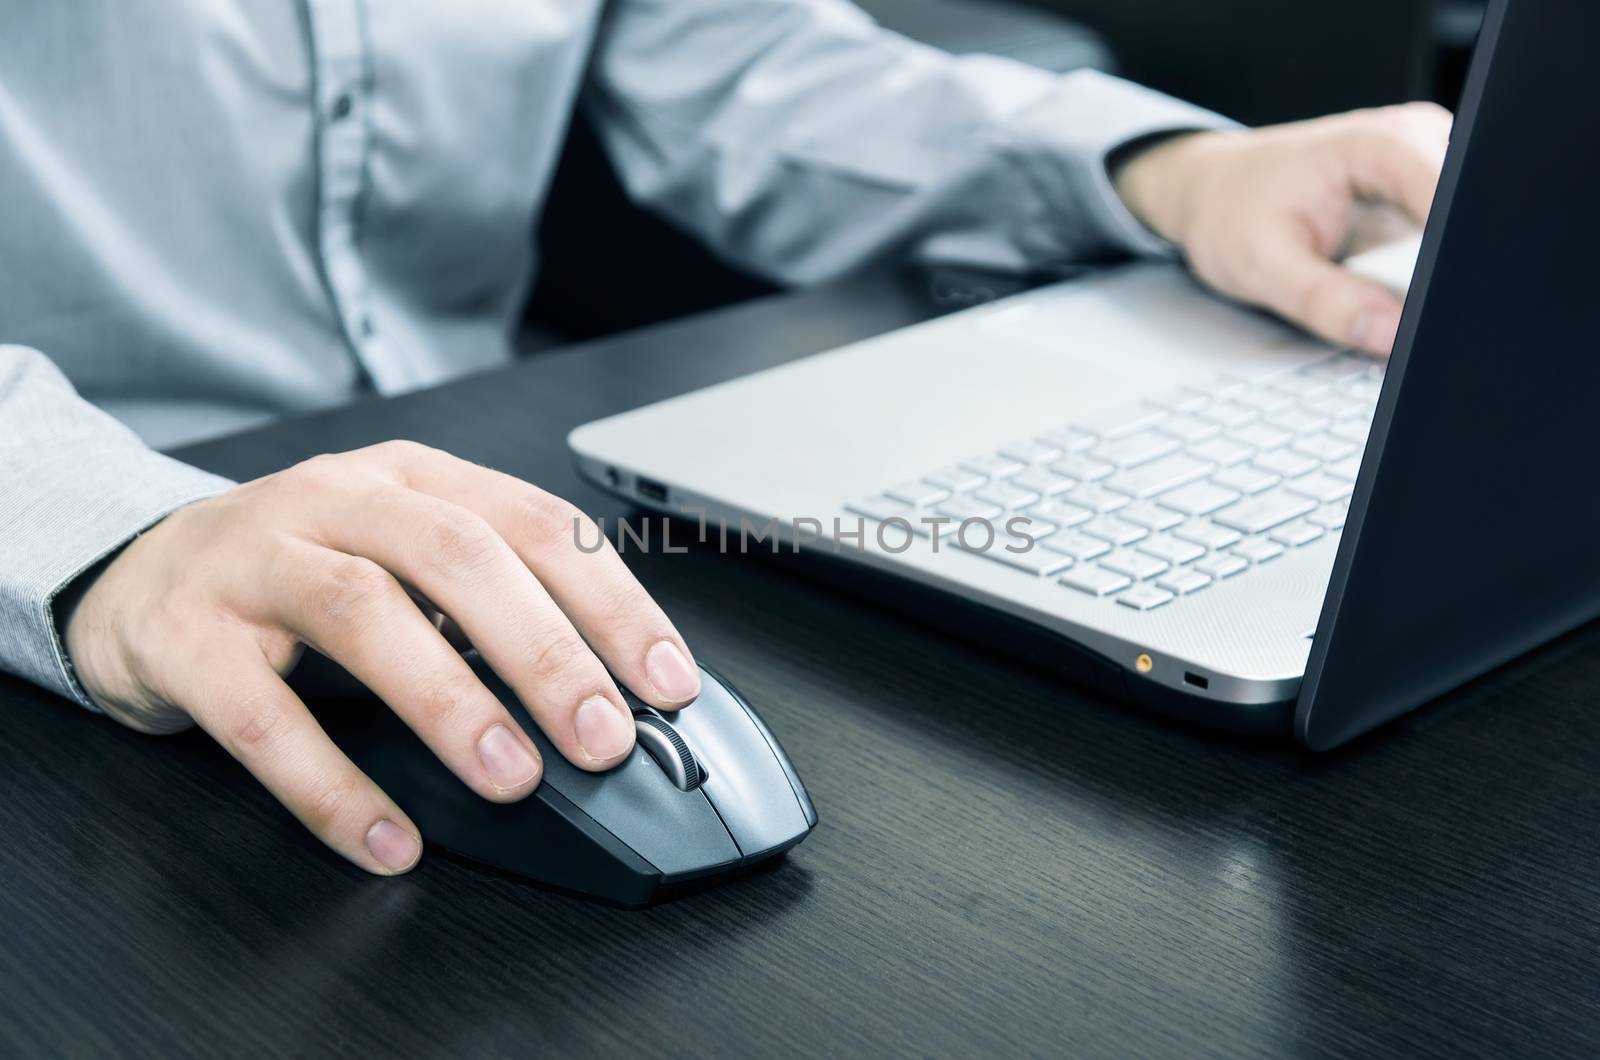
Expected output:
(199, 619)
(1261, 214)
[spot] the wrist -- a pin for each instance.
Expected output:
(1156, 178)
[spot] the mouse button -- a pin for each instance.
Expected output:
(677, 832)
(744, 781)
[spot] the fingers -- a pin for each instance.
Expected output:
(459, 563)
(1327, 299)
(353, 611)
(248, 709)
(1398, 154)
(590, 583)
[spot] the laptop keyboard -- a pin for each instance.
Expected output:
(1152, 503)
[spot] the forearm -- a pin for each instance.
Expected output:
(804, 141)
(74, 486)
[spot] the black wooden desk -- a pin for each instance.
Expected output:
(1005, 866)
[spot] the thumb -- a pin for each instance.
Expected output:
(1328, 300)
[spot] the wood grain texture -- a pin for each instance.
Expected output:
(1005, 865)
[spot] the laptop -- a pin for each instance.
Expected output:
(1199, 508)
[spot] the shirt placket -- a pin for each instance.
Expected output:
(343, 87)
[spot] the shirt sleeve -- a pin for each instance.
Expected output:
(800, 139)
(75, 485)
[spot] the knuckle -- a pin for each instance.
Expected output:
(331, 801)
(347, 588)
(553, 522)
(256, 727)
(401, 451)
(460, 544)
(450, 703)
(560, 658)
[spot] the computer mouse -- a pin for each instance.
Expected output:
(707, 792)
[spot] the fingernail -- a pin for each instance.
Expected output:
(605, 730)
(674, 677)
(1375, 331)
(397, 848)
(506, 760)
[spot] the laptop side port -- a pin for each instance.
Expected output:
(651, 490)
(1192, 678)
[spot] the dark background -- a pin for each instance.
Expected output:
(1257, 61)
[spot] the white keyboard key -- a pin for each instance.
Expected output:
(1087, 578)
(1335, 406)
(1145, 598)
(1261, 436)
(1363, 390)
(1116, 531)
(1189, 429)
(1331, 516)
(1075, 545)
(1325, 447)
(1206, 534)
(1229, 414)
(1027, 525)
(881, 508)
(1184, 581)
(1336, 369)
(1257, 549)
(1028, 451)
(1169, 472)
(1349, 467)
(1043, 481)
(1220, 565)
(1082, 467)
(1321, 487)
(1030, 559)
(1184, 400)
(1006, 495)
(1198, 498)
(992, 466)
(1300, 385)
(1264, 511)
(1226, 387)
(1299, 421)
(966, 506)
(1265, 399)
(1117, 422)
(1171, 549)
(1150, 515)
(1223, 452)
(1246, 479)
(920, 494)
(1356, 431)
(1060, 512)
(1136, 449)
(1297, 533)
(1069, 440)
(1285, 462)
(1093, 495)
(1135, 565)
(955, 479)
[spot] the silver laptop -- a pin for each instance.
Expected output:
(1126, 461)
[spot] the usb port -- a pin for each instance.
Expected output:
(651, 490)
(1191, 678)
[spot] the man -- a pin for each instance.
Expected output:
(217, 213)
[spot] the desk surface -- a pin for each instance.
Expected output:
(1005, 864)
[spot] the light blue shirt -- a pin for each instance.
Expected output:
(213, 213)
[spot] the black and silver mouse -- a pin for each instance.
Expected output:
(706, 792)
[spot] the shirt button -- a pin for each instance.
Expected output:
(341, 107)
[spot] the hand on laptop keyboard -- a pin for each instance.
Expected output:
(1260, 214)
(1152, 503)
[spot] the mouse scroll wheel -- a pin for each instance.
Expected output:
(662, 742)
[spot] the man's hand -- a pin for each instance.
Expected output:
(1261, 215)
(199, 619)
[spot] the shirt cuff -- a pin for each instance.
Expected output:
(1066, 140)
(72, 506)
